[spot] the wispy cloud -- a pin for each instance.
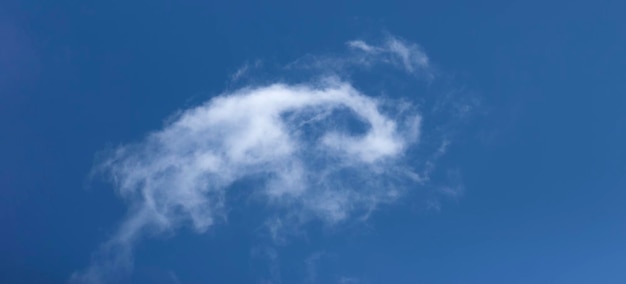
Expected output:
(394, 50)
(287, 136)
(244, 70)
(321, 150)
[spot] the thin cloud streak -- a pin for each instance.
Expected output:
(406, 56)
(410, 56)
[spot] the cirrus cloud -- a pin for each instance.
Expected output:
(321, 150)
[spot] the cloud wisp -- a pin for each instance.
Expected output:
(395, 52)
(408, 55)
(321, 150)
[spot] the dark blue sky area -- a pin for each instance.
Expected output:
(543, 166)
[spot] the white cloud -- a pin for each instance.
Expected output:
(406, 56)
(244, 70)
(394, 50)
(359, 44)
(300, 141)
(182, 173)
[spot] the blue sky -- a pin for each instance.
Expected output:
(442, 142)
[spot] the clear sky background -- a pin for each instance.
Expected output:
(538, 169)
